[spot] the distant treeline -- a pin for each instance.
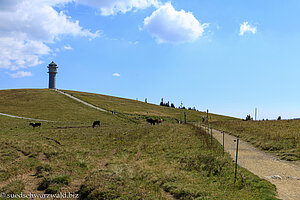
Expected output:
(248, 117)
(167, 104)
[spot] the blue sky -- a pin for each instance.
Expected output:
(225, 56)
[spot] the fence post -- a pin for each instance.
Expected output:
(211, 136)
(223, 143)
(207, 114)
(207, 128)
(185, 117)
(236, 157)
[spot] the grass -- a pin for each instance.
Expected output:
(52, 185)
(126, 158)
(47, 104)
(138, 108)
(281, 137)
(15, 187)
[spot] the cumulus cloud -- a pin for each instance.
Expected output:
(116, 74)
(20, 74)
(28, 26)
(68, 47)
(134, 43)
(245, 27)
(113, 7)
(17, 53)
(168, 25)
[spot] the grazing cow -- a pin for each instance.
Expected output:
(96, 123)
(151, 121)
(35, 125)
(158, 121)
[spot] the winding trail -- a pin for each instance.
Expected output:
(13, 116)
(66, 94)
(81, 101)
(284, 175)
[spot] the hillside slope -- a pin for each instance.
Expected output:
(134, 107)
(47, 104)
(125, 158)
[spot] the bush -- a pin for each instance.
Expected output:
(279, 118)
(248, 117)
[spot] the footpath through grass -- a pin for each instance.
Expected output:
(281, 137)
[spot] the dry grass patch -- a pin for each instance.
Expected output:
(281, 137)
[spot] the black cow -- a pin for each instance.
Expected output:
(151, 121)
(96, 123)
(35, 125)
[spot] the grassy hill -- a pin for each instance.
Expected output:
(47, 104)
(125, 158)
(133, 107)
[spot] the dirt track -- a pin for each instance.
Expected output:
(81, 101)
(285, 175)
(13, 116)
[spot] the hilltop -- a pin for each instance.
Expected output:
(50, 105)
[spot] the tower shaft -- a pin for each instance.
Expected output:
(52, 80)
(52, 75)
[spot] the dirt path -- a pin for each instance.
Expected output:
(13, 116)
(81, 101)
(29, 179)
(285, 176)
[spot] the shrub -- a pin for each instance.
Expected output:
(279, 118)
(248, 117)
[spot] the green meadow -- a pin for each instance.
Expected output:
(126, 158)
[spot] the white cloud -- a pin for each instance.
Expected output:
(134, 43)
(20, 74)
(168, 25)
(116, 74)
(245, 27)
(28, 26)
(113, 7)
(68, 47)
(16, 53)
